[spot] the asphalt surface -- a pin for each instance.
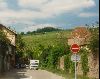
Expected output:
(29, 74)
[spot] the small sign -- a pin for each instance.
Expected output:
(75, 48)
(75, 58)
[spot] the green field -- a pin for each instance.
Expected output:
(50, 38)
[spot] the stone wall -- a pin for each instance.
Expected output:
(93, 66)
(62, 63)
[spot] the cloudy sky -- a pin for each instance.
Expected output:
(28, 15)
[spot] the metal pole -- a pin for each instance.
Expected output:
(75, 67)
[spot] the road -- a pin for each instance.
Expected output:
(29, 74)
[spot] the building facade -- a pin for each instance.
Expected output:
(7, 58)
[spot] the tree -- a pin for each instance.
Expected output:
(47, 29)
(20, 48)
(29, 32)
(22, 33)
(84, 61)
(94, 41)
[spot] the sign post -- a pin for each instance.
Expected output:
(75, 48)
(75, 68)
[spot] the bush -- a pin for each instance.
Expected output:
(84, 60)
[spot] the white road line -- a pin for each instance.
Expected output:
(27, 78)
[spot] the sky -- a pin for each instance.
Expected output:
(29, 15)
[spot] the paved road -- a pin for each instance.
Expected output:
(30, 74)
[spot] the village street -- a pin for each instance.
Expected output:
(30, 74)
(49, 39)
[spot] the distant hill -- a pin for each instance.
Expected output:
(42, 30)
(47, 29)
(50, 38)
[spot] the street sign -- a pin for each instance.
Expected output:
(75, 58)
(75, 48)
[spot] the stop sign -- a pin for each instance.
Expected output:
(75, 48)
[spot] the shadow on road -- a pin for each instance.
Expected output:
(15, 74)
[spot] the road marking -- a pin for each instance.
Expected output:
(27, 78)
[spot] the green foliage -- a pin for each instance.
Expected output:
(56, 52)
(29, 32)
(44, 57)
(20, 45)
(43, 30)
(20, 49)
(94, 41)
(84, 60)
(22, 33)
(67, 63)
(48, 48)
(50, 56)
(72, 67)
(47, 29)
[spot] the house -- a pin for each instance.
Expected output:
(9, 60)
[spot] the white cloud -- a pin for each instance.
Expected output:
(54, 7)
(3, 5)
(50, 9)
(31, 3)
(88, 14)
(47, 9)
(10, 21)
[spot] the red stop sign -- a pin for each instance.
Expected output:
(75, 48)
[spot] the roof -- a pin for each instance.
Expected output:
(80, 32)
(79, 35)
(2, 26)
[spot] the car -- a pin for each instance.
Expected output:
(19, 65)
(34, 64)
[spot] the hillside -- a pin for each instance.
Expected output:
(50, 38)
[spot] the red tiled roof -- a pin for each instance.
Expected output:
(81, 34)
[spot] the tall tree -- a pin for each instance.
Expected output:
(20, 48)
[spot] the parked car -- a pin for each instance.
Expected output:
(20, 65)
(34, 64)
